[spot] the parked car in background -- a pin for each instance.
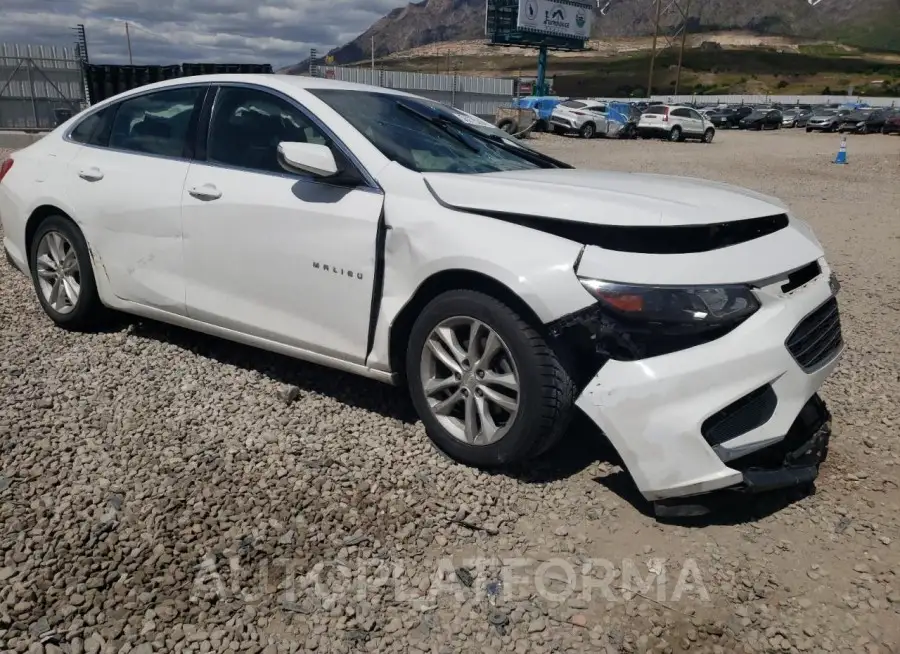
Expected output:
(762, 119)
(795, 117)
(823, 120)
(586, 117)
(541, 106)
(723, 117)
(741, 111)
(891, 122)
(368, 230)
(862, 121)
(675, 123)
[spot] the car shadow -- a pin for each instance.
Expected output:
(722, 508)
(352, 390)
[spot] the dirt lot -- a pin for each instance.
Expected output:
(163, 491)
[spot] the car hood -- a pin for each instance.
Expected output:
(603, 198)
(585, 197)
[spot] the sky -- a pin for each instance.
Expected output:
(279, 32)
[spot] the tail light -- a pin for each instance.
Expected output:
(666, 116)
(5, 167)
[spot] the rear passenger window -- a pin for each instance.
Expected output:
(156, 123)
(94, 130)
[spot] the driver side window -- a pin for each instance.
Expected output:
(247, 125)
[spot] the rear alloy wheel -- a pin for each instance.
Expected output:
(587, 131)
(487, 387)
(676, 135)
(62, 275)
(708, 135)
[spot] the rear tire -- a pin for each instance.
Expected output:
(544, 399)
(676, 135)
(507, 126)
(76, 303)
(588, 130)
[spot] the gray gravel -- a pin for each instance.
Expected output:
(164, 491)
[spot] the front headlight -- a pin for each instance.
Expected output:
(698, 306)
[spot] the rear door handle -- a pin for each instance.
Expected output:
(92, 174)
(205, 192)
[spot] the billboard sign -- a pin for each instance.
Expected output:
(502, 24)
(566, 18)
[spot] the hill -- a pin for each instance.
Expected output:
(873, 24)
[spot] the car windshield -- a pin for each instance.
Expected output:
(573, 104)
(825, 114)
(655, 111)
(426, 136)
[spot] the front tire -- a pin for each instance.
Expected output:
(488, 388)
(63, 277)
(708, 135)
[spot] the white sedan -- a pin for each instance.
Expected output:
(386, 235)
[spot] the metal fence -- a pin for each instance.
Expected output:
(477, 95)
(39, 85)
(767, 99)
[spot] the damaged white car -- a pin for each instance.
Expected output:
(371, 231)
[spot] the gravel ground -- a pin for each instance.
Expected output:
(164, 491)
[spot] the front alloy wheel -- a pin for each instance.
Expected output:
(470, 380)
(487, 386)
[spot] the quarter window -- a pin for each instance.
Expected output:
(247, 125)
(95, 129)
(156, 123)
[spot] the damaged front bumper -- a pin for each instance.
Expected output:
(734, 412)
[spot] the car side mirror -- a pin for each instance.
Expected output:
(310, 158)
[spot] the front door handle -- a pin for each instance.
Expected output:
(92, 174)
(205, 192)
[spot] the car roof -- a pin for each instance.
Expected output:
(273, 81)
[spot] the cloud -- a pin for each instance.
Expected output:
(280, 32)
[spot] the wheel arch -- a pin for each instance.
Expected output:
(35, 219)
(440, 282)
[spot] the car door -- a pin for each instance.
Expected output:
(126, 184)
(279, 255)
(698, 126)
(598, 115)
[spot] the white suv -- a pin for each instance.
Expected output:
(675, 123)
(587, 117)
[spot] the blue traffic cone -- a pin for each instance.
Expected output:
(842, 153)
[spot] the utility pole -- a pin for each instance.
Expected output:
(128, 38)
(373, 52)
(653, 52)
(684, 31)
(671, 34)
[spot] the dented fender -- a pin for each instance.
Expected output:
(423, 239)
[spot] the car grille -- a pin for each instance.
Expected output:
(818, 338)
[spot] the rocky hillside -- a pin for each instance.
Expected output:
(872, 23)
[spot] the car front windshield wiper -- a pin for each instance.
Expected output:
(442, 123)
(446, 122)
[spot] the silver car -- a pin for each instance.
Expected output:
(823, 120)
